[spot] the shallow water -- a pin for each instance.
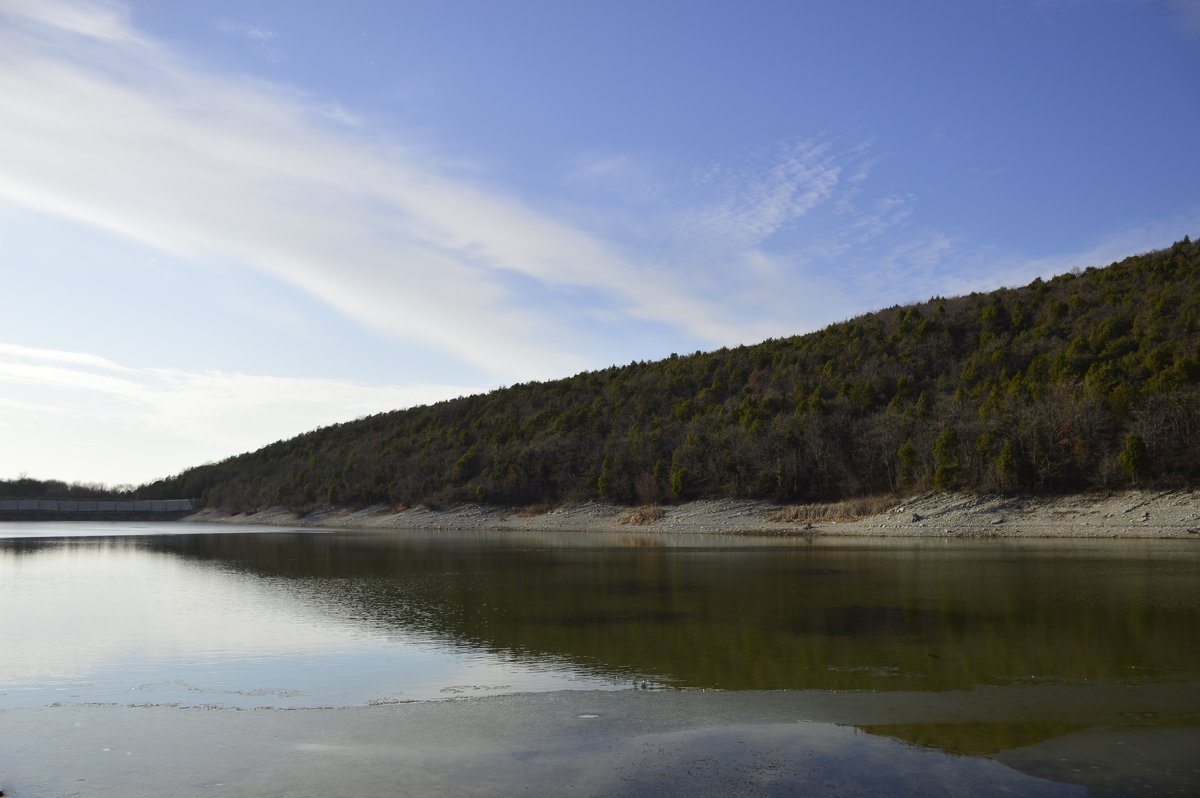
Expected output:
(975, 648)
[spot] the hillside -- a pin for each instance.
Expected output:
(1088, 380)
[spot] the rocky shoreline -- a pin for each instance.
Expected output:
(1127, 514)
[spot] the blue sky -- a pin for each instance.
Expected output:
(225, 223)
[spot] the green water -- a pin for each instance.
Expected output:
(970, 647)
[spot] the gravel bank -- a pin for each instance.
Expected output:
(1130, 514)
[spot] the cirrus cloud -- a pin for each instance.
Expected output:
(102, 126)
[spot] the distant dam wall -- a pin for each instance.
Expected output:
(104, 510)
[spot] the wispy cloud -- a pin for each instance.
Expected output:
(755, 201)
(244, 30)
(134, 140)
(766, 235)
(14, 353)
(100, 19)
(261, 39)
(102, 126)
(618, 174)
(161, 420)
(929, 263)
(337, 113)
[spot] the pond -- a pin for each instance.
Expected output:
(993, 648)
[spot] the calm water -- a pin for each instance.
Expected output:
(977, 648)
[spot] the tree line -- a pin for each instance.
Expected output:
(1089, 380)
(24, 487)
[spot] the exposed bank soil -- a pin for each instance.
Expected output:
(1131, 514)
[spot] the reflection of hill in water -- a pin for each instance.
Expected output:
(809, 617)
(978, 738)
(19, 546)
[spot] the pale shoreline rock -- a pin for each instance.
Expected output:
(1128, 514)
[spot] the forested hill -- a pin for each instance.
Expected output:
(1088, 380)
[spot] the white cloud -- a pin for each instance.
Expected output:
(136, 142)
(13, 352)
(338, 114)
(262, 40)
(617, 174)
(99, 19)
(126, 137)
(756, 201)
(768, 235)
(929, 263)
(244, 30)
(84, 414)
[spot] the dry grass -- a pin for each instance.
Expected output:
(533, 510)
(643, 516)
(848, 510)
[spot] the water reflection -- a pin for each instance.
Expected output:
(125, 620)
(910, 616)
(695, 613)
(998, 647)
